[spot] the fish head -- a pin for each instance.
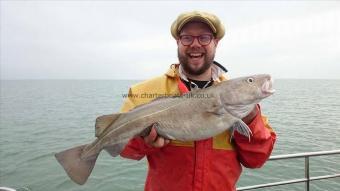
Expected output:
(240, 95)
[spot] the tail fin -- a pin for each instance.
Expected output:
(77, 169)
(242, 128)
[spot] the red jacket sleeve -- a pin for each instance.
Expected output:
(254, 153)
(136, 149)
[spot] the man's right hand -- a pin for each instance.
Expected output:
(154, 140)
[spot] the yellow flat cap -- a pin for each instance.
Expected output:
(210, 19)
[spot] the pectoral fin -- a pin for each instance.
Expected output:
(242, 128)
(217, 108)
(104, 122)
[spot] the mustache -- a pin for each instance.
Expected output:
(195, 50)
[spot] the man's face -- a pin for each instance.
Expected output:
(196, 58)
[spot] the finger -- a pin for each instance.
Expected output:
(149, 139)
(159, 142)
(166, 141)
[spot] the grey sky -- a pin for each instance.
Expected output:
(132, 40)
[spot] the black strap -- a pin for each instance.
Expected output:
(190, 84)
(220, 66)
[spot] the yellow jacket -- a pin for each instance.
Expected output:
(212, 164)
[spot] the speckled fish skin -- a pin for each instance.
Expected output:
(197, 115)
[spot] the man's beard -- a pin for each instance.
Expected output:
(183, 60)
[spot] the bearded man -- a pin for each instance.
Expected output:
(206, 165)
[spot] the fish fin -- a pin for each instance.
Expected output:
(159, 131)
(147, 130)
(77, 169)
(154, 101)
(104, 122)
(115, 150)
(242, 128)
(217, 108)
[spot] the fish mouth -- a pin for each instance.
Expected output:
(267, 87)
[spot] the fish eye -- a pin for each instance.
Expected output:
(250, 80)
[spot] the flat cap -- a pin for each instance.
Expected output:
(210, 19)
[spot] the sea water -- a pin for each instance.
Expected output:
(42, 117)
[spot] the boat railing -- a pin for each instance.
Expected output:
(307, 179)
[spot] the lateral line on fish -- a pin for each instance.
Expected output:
(97, 141)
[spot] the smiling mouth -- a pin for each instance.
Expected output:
(195, 55)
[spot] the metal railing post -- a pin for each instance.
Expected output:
(307, 179)
(307, 172)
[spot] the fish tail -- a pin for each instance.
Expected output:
(77, 167)
(242, 128)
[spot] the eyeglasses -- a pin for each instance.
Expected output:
(203, 39)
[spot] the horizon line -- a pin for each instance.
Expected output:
(149, 78)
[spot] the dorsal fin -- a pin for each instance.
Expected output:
(154, 101)
(104, 122)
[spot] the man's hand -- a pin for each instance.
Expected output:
(154, 140)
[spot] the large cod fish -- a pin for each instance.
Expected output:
(197, 115)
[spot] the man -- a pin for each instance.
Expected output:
(211, 164)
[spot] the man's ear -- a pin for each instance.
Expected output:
(177, 41)
(216, 40)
